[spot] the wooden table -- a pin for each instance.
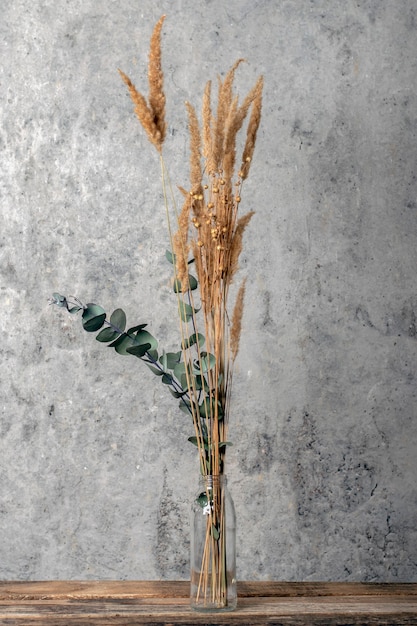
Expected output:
(166, 603)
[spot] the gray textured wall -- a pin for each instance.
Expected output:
(96, 475)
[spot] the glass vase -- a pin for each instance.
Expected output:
(213, 547)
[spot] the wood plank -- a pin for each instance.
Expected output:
(99, 589)
(283, 589)
(55, 603)
(176, 589)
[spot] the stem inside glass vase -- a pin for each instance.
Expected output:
(213, 547)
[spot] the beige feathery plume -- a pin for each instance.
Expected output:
(237, 242)
(207, 129)
(237, 321)
(200, 270)
(196, 174)
(152, 115)
(156, 80)
(253, 126)
(223, 105)
(143, 112)
(236, 124)
(180, 243)
(231, 129)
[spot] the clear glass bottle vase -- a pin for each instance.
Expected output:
(213, 547)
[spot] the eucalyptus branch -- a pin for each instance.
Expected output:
(135, 341)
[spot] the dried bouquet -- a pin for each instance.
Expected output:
(205, 241)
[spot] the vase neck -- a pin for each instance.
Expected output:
(213, 480)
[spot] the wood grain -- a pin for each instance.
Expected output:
(53, 603)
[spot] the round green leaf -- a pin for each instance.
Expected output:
(192, 284)
(107, 334)
(208, 361)
(215, 532)
(118, 319)
(134, 329)
(155, 370)
(192, 281)
(202, 499)
(193, 339)
(186, 311)
(125, 343)
(179, 369)
(170, 359)
(135, 350)
(170, 257)
(142, 336)
(59, 300)
(93, 317)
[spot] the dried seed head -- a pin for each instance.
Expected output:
(151, 115)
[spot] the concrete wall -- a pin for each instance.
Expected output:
(96, 474)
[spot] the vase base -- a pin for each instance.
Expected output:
(213, 608)
(214, 602)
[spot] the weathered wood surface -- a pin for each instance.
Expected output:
(54, 603)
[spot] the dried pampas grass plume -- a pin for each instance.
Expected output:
(151, 115)
(237, 321)
(253, 126)
(156, 80)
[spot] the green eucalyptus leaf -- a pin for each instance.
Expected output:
(163, 361)
(185, 406)
(202, 500)
(184, 381)
(215, 532)
(142, 336)
(170, 257)
(193, 440)
(62, 302)
(186, 311)
(179, 369)
(208, 361)
(204, 409)
(129, 341)
(118, 319)
(192, 282)
(93, 317)
(107, 334)
(207, 409)
(155, 370)
(122, 339)
(153, 355)
(167, 379)
(138, 351)
(200, 382)
(177, 286)
(177, 394)
(126, 344)
(195, 338)
(59, 300)
(134, 329)
(172, 359)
